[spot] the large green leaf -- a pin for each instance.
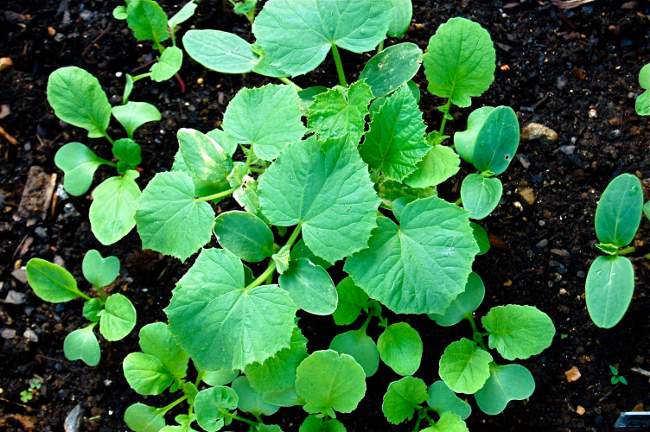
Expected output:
(442, 399)
(245, 235)
(143, 418)
(518, 332)
(643, 100)
(463, 305)
(146, 374)
(396, 141)
(169, 219)
(82, 344)
(77, 98)
(147, 20)
(340, 112)
(132, 115)
(296, 35)
(268, 118)
(118, 317)
(465, 367)
(212, 405)
(506, 383)
(78, 164)
(220, 51)
(619, 211)
(310, 287)
(480, 195)
(491, 139)
(421, 265)
(325, 186)
(392, 67)
(112, 212)
(438, 165)
(400, 347)
(223, 324)
(100, 271)
(352, 300)
(460, 61)
(251, 401)
(360, 346)
(402, 399)
(168, 64)
(51, 282)
(401, 13)
(157, 340)
(609, 289)
(206, 161)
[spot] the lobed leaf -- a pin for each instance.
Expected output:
(310, 287)
(78, 164)
(51, 282)
(113, 210)
(480, 195)
(619, 211)
(506, 383)
(317, 424)
(212, 404)
(403, 398)
(463, 305)
(360, 346)
(448, 422)
(82, 344)
(128, 153)
(132, 115)
(400, 347)
(465, 367)
(158, 341)
(245, 235)
(100, 271)
(392, 67)
(609, 289)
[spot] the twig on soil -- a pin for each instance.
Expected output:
(571, 4)
(6, 135)
(641, 371)
(101, 35)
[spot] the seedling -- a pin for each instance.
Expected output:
(114, 313)
(247, 8)
(34, 386)
(610, 281)
(643, 100)
(616, 378)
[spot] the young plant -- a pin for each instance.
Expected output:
(114, 313)
(616, 377)
(78, 99)
(149, 22)
(247, 8)
(610, 281)
(643, 100)
(35, 385)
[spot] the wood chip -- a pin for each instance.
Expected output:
(6, 135)
(573, 374)
(37, 194)
(5, 62)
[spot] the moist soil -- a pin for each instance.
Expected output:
(571, 70)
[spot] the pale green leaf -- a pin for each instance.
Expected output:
(183, 14)
(251, 401)
(146, 374)
(220, 51)
(442, 399)
(439, 164)
(480, 195)
(132, 115)
(205, 160)
(112, 212)
(212, 404)
(646, 210)
(78, 164)
(392, 67)
(51, 282)
(448, 422)
(619, 211)
(157, 340)
(400, 347)
(308, 94)
(118, 317)
(143, 418)
(147, 20)
(465, 367)
(220, 377)
(463, 305)
(119, 13)
(360, 346)
(98, 270)
(227, 142)
(403, 398)
(506, 383)
(643, 100)
(245, 235)
(310, 287)
(352, 300)
(300, 250)
(401, 13)
(609, 289)
(168, 64)
(82, 344)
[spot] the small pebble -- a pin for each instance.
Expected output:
(568, 149)
(15, 297)
(535, 131)
(8, 333)
(542, 243)
(30, 335)
(573, 374)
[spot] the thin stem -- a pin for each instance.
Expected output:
(364, 327)
(445, 112)
(241, 419)
(216, 196)
(477, 335)
(108, 137)
(262, 278)
(339, 65)
(164, 409)
(256, 170)
(102, 293)
(288, 81)
(83, 295)
(294, 236)
(417, 424)
(627, 250)
(141, 76)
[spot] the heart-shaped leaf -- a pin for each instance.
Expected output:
(480, 195)
(100, 271)
(82, 344)
(78, 164)
(506, 383)
(168, 64)
(112, 212)
(132, 115)
(118, 317)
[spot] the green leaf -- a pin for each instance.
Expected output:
(143, 418)
(223, 324)
(169, 219)
(147, 20)
(112, 212)
(308, 94)
(465, 367)
(310, 287)
(157, 340)
(77, 98)
(518, 332)
(439, 164)
(491, 139)
(619, 211)
(250, 401)
(51, 282)
(275, 378)
(466, 303)
(91, 309)
(326, 187)
(206, 161)
(132, 115)
(448, 422)
(128, 153)
(128, 87)
(317, 424)
(268, 118)
(361, 347)
(78, 164)
(643, 100)
(183, 14)
(460, 61)
(442, 399)
(168, 64)
(400, 347)
(300, 250)
(329, 382)
(220, 377)
(392, 67)
(401, 13)
(352, 300)
(506, 383)
(212, 404)
(220, 51)
(340, 112)
(482, 238)
(296, 36)
(421, 265)
(82, 344)
(646, 210)
(118, 317)
(119, 13)
(609, 289)
(227, 142)
(395, 143)
(480, 195)
(245, 235)
(100, 271)
(403, 398)
(146, 374)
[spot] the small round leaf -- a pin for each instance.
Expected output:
(360, 346)
(480, 195)
(465, 367)
(245, 235)
(310, 287)
(402, 399)
(118, 317)
(506, 383)
(400, 347)
(100, 271)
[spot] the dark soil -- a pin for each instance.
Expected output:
(574, 71)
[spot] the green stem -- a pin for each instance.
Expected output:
(627, 250)
(380, 47)
(364, 327)
(294, 236)
(262, 278)
(164, 409)
(83, 295)
(216, 196)
(418, 423)
(477, 335)
(445, 112)
(102, 294)
(241, 419)
(256, 170)
(289, 82)
(339, 65)
(141, 76)
(108, 138)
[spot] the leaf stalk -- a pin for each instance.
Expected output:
(339, 65)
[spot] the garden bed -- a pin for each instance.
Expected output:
(573, 71)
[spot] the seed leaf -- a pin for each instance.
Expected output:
(147, 20)
(439, 164)
(619, 211)
(146, 374)
(400, 347)
(205, 160)
(326, 187)
(395, 143)
(212, 404)
(466, 302)
(329, 382)
(401, 13)
(646, 210)
(51, 282)
(98, 270)
(421, 265)
(465, 367)
(310, 287)
(480, 195)
(220, 377)
(112, 212)
(77, 98)
(220, 51)
(91, 309)
(251, 401)
(460, 61)
(442, 399)
(245, 235)
(506, 383)
(643, 100)
(183, 14)
(317, 424)
(143, 418)
(157, 340)
(132, 115)
(118, 317)
(609, 289)
(82, 344)
(482, 238)
(78, 164)
(352, 300)
(361, 347)
(297, 35)
(267, 117)
(300, 250)
(402, 399)
(448, 422)
(392, 67)
(168, 218)
(518, 332)
(223, 324)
